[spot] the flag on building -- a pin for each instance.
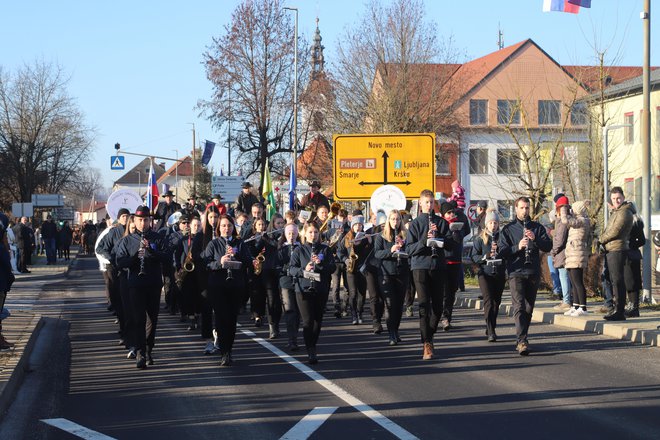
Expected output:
(208, 152)
(268, 194)
(292, 187)
(581, 3)
(152, 189)
(560, 6)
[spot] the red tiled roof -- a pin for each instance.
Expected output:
(590, 75)
(315, 162)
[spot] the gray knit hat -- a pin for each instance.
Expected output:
(492, 215)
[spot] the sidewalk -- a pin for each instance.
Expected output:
(22, 327)
(642, 330)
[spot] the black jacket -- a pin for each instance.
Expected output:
(507, 244)
(108, 243)
(421, 255)
(479, 254)
(214, 251)
(183, 247)
(244, 202)
(284, 254)
(48, 230)
(389, 263)
(303, 255)
(163, 212)
(155, 256)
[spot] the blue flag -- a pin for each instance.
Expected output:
(208, 152)
(292, 187)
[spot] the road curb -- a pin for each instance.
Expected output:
(638, 330)
(19, 362)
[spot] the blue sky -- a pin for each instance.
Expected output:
(136, 69)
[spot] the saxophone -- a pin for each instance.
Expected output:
(352, 261)
(259, 262)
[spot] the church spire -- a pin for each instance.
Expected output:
(317, 52)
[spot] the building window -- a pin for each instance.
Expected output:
(579, 114)
(478, 111)
(479, 161)
(442, 166)
(505, 209)
(629, 133)
(549, 113)
(508, 161)
(508, 112)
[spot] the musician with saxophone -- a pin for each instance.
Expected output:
(209, 232)
(226, 258)
(520, 244)
(286, 246)
(427, 236)
(491, 273)
(354, 250)
(144, 253)
(311, 265)
(263, 278)
(393, 271)
(188, 264)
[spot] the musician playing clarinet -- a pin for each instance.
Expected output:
(143, 253)
(226, 258)
(519, 244)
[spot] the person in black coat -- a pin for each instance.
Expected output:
(394, 271)
(632, 272)
(165, 209)
(491, 274)
(246, 199)
(454, 259)
(287, 245)
(312, 266)
(6, 275)
(353, 250)
(520, 244)
(428, 266)
(143, 253)
(189, 268)
(226, 283)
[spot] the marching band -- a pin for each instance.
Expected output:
(288, 269)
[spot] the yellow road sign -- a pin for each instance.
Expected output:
(364, 162)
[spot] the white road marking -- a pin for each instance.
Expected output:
(76, 429)
(310, 423)
(356, 403)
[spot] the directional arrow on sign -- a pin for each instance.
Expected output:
(385, 181)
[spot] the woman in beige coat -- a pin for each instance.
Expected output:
(577, 252)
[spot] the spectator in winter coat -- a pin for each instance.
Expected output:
(577, 252)
(457, 194)
(559, 238)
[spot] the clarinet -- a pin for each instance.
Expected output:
(434, 251)
(142, 247)
(230, 275)
(528, 250)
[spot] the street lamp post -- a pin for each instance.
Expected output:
(606, 177)
(176, 174)
(139, 183)
(295, 91)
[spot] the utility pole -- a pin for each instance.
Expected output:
(646, 151)
(193, 158)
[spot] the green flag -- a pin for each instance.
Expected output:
(268, 194)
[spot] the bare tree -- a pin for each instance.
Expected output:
(44, 141)
(86, 185)
(382, 78)
(251, 68)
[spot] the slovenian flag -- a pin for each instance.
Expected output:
(268, 194)
(152, 189)
(560, 6)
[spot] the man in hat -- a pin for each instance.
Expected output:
(106, 248)
(482, 206)
(216, 201)
(192, 207)
(246, 199)
(314, 198)
(165, 209)
(143, 253)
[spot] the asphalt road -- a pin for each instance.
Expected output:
(572, 385)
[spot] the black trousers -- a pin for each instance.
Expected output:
(270, 281)
(394, 290)
(576, 275)
(226, 300)
(291, 314)
(632, 274)
(616, 260)
(430, 296)
(112, 285)
(410, 292)
(22, 258)
(337, 276)
(491, 289)
(129, 320)
(190, 295)
(170, 289)
(144, 307)
(257, 293)
(451, 286)
(376, 300)
(357, 292)
(311, 306)
(523, 298)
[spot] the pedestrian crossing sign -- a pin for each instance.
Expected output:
(117, 162)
